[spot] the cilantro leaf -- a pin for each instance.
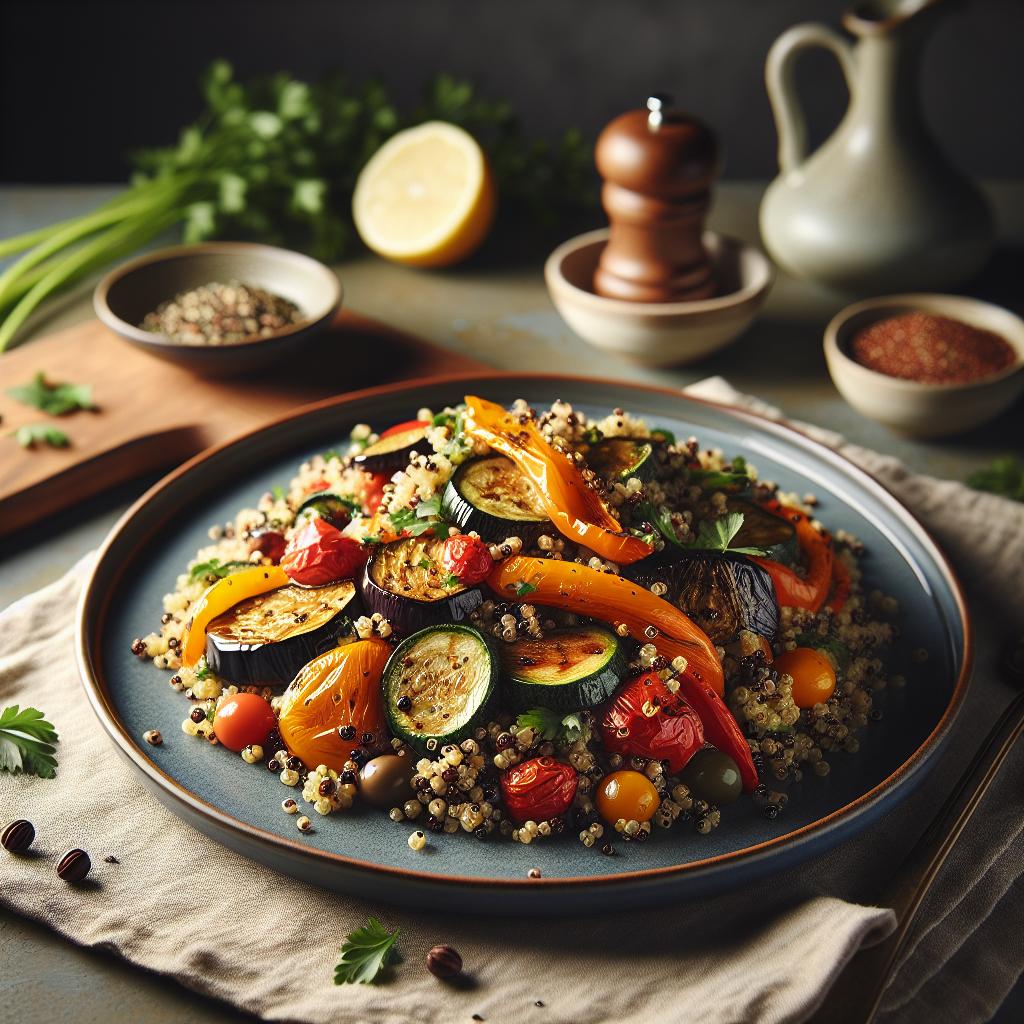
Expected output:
(365, 953)
(26, 743)
(41, 433)
(717, 535)
(54, 399)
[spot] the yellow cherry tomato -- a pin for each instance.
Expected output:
(626, 794)
(814, 678)
(221, 596)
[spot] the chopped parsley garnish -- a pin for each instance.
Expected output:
(203, 671)
(717, 479)
(214, 569)
(556, 728)
(365, 953)
(27, 743)
(426, 564)
(717, 535)
(451, 580)
(54, 399)
(371, 538)
(278, 492)
(32, 434)
(416, 521)
(523, 588)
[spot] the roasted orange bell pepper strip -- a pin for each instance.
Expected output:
(576, 510)
(649, 619)
(792, 590)
(603, 595)
(841, 584)
(221, 596)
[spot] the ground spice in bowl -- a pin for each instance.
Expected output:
(931, 349)
(222, 314)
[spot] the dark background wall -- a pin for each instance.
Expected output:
(83, 83)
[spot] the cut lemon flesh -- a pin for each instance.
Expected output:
(426, 197)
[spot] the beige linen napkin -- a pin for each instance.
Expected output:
(182, 905)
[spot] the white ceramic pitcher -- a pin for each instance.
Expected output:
(877, 206)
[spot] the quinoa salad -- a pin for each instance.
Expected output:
(519, 624)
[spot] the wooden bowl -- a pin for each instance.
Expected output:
(124, 297)
(659, 333)
(908, 406)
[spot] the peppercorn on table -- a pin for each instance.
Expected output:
(496, 310)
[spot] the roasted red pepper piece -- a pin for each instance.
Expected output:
(469, 558)
(539, 789)
(647, 720)
(792, 590)
(401, 428)
(320, 553)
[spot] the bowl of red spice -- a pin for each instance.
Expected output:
(927, 365)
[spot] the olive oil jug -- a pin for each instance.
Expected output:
(878, 206)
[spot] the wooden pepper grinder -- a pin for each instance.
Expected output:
(657, 165)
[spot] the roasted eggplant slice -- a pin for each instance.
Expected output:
(722, 593)
(335, 508)
(439, 685)
(392, 452)
(760, 529)
(265, 640)
(492, 496)
(406, 582)
(567, 670)
(619, 458)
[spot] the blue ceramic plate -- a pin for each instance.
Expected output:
(367, 853)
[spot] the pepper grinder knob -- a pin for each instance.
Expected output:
(658, 165)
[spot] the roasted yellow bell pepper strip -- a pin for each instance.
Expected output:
(221, 596)
(576, 510)
(602, 595)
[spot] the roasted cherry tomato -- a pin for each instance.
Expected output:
(538, 790)
(469, 558)
(319, 553)
(400, 428)
(646, 719)
(626, 794)
(243, 719)
(269, 543)
(374, 492)
(814, 678)
(318, 485)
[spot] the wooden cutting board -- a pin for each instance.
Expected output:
(153, 414)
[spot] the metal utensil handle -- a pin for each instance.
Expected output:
(857, 995)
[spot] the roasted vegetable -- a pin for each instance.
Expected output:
(811, 589)
(320, 553)
(576, 510)
(619, 458)
(775, 535)
(722, 593)
(539, 789)
(392, 451)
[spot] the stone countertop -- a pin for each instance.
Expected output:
(497, 310)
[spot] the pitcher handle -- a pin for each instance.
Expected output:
(780, 79)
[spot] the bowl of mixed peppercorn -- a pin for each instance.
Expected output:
(220, 308)
(927, 365)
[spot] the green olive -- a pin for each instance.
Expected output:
(713, 776)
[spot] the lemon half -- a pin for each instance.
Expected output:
(426, 197)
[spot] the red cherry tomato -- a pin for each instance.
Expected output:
(398, 428)
(318, 485)
(374, 492)
(319, 553)
(469, 558)
(645, 719)
(538, 790)
(242, 720)
(269, 543)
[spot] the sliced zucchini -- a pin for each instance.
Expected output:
(492, 496)
(392, 452)
(265, 640)
(567, 670)
(335, 508)
(773, 534)
(406, 582)
(439, 684)
(619, 458)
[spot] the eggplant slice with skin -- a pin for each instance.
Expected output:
(722, 592)
(265, 640)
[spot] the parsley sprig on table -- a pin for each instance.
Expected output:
(277, 159)
(54, 399)
(27, 743)
(365, 953)
(31, 434)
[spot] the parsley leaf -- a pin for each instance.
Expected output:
(523, 588)
(214, 569)
(450, 581)
(54, 399)
(365, 953)
(41, 433)
(416, 521)
(203, 671)
(26, 743)
(425, 563)
(278, 492)
(717, 534)
(718, 479)
(1003, 476)
(550, 725)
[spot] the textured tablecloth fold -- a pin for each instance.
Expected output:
(180, 904)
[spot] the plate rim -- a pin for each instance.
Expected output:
(94, 606)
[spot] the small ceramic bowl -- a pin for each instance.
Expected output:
(912, 408)
(659, 333)
(124, 297)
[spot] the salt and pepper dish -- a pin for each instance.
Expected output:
(657, 165)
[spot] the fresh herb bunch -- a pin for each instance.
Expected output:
(277, 159)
